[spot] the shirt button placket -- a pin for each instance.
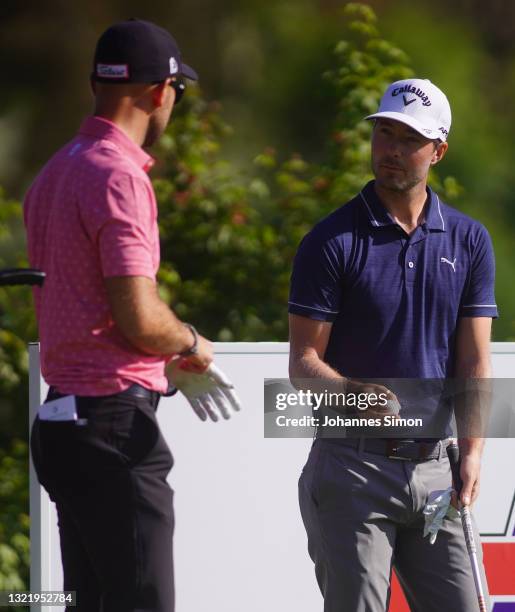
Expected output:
(410, 265)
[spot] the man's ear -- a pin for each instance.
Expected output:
(159, 93)
(439, 152)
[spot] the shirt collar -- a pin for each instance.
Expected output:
(100, 128)
(379, 217)
(435, 219)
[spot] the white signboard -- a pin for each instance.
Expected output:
(239, 539)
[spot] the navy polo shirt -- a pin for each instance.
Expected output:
(394, 299)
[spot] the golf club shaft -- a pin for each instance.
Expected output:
(466, 521)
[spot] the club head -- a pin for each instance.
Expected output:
(21, 276)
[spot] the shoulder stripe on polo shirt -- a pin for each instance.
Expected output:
(369, 209)
(480, 306)
(440, 211)
(313, 308)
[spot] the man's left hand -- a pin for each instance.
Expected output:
(470, 474)
(209, 393)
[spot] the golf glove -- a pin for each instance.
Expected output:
(437, 508)
(209, 393)
(393, 406)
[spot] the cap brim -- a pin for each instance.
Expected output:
(411, 121)
(188, 72)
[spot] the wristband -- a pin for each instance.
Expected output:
(193, 350)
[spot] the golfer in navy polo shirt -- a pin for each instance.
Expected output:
(397, 284)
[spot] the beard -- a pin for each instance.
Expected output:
(400, 184)
(154, 133)
(399, 180)
(156, 126)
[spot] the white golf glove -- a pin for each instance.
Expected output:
(437, 508)
(210, 393)
(393, 406)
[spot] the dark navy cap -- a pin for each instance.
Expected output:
(136, 51)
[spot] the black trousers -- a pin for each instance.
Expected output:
(114, 505)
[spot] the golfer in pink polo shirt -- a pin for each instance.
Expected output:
(91, 220)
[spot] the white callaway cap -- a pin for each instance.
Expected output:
(419, 104)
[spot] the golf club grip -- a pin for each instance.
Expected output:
(21, 276)
(453, 452)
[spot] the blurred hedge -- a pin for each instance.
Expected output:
(228, 237)
(14, 517)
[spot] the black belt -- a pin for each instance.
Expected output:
(396, 448)
(134, 390)
(139, 391)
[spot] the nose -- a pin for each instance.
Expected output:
(394, 147)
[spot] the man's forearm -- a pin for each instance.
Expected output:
(143, 318)
(472, 406)
(163, 333)
(309, 365)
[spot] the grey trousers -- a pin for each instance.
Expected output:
(363, 516)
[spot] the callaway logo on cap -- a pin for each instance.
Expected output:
(136, 51)
(419, 104)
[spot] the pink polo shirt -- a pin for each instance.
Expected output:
(91, 213)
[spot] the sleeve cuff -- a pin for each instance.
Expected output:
(479, 310)
(127, 270)
(312, 312)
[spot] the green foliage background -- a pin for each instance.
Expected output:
(228, 237)
(14, 518)
(238, 186)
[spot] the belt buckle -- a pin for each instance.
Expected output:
(392, 449)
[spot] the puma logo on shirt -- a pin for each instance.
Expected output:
(451, 263)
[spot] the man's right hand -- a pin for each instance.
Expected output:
(200, 361)
(378, 411)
